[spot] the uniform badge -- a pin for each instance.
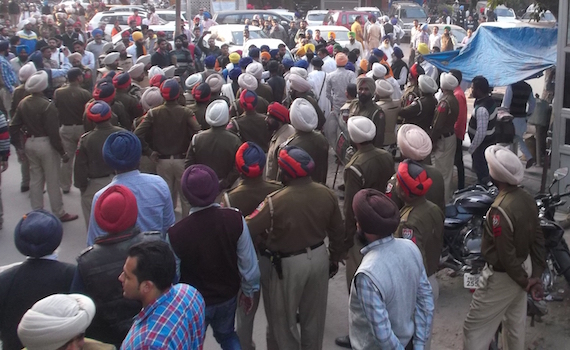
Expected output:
(496, 220)
(407, 233)
(257, 210)
(389, 187)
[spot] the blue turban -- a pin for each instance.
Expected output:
(38, 60)
(287, 63)
(235, 73)
(309, 32)
(250, 159)
(302, 64)
(264, 48)
(378, 53)
(225, 74)
(19, 49)
(254, 52)
(274, 53)
(210, 61)
(295, 162)
(394, 21)
(38, 234)
(244, 62)
(4, 45)
(398, 52)
(122, 151)
(373, 59)
(350, 66)
(97, 31)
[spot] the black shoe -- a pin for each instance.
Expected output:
(530, 162)
(343, 342)
(24, 189)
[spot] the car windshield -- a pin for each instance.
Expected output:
(341, 35)
(253, 34)
(169, 17)
(458, 34)
(316, 17)
(504, 12)
(413, 12)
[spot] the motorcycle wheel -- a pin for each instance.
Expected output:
(561, 255)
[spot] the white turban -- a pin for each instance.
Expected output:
(504, 165)
(151, 98)
(448, 81)
(379, 70)
(76, 56)
(255, 69)
(217, 113)
(383, 88)
(426, 84)
(361, 129)
(111, 58)
(298, 83)
(120, 46)
(303, 115)
(414, 143)
(193, 80)
(302, 72)
(247, 81)
(169, 71)
(144, 59)
(136, 70)
(215, 81)
(38, 82)
(107, 47)
(154, 70)
(26, 71)
(55, 320)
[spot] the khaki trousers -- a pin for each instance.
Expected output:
(147, 166)
(44, 170)
(6, 97)
(70, 135)
(244, 323)
(87, 197)
(24, 168)
(443, 158)
(500, 300)
(435, 289)
(304, 288)
(353, 260)
(171, 171)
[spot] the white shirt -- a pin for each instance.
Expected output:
(58, 56)
(434, 41)
(88, 60)
(429, 69)
(329, 64)
(356, 45)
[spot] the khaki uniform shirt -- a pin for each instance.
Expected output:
(261, 107)
(445, 117)
(18, 95)
(280, 136)
(119, 117)
(199, 110)
(410, 94)
(70, 102)
(250, 192)
(420, 112)
(373, 112)
(251, 126)
(391, 108)
(132, 105)
(435, 194)
(512, 233)
(317, 146)
(422, 222)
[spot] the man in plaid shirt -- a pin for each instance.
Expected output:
(172, 316)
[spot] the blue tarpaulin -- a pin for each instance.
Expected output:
(502, 55)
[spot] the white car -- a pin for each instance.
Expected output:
(373, 10)
(126, 8)
(316, 17)
(285, 13)
(340, 32)
(170, 15)
(505, 14)
(69, 4)
(168, 29)
(232, 34)
(110, 17)
(272, 43)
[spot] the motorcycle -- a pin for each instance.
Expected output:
(463, 231)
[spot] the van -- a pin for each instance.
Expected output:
(407, 12)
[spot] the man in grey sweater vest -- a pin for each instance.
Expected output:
(391, 301)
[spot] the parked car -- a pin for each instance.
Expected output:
(545, 17)
(272, 43)
(69, 4)
(505, 14)
(126, 8)
(407, 12)
(239, 17)
(232, 34)
(110, 17)
(316, 17)
(343, 18)
(457, 33)
(170, 15)
(168, 29)
(371, 10)
(285, 13)
(340, 32)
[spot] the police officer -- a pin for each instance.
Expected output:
(170, 127)
(412, 90)
(256, 69)
(301, 88)
(513, 247)
(365, 106)
(415, 144)
(304, 119)
(443, 131)
(369, 167)
(75, 61)
(111, 62)
(390, 108)
(105, 91)
(190, 82)
(279, 124)
(420, 220)
(421, 110)
(216, 147)
(297, 219)
(247, 81)
(43, 145)
(70, 102)
(250, 126)
(201, 94)
(90, 171)
(246, 197)
(122, 83)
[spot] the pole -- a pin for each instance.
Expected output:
(178, 24)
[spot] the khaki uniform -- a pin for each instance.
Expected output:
(171, 127)
(246, 197)
(199, 110)
(216, 148)
(126, 64)
(444, 140)
(132, 105)
(369, 167)
(43, 148)
(419, 112)
(373, 112)
(90, 171)
(298, 218)
(118, 118)
(261, 107)
(435, 194)
(280, 136)
(310, 97)
(251, 126)
(391, 108)
(513, 246)
(19, 94)
(410, 94)
(70, 102)
(317, 146)
(136, 90)
(102, 71)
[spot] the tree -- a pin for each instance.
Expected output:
(539, 9)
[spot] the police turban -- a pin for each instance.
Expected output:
(413, 178)
(295, 162)
(250, 159)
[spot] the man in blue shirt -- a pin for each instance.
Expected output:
(122, 152)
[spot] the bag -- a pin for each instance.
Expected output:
(504, 127)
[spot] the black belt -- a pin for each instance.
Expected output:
(176, 156)
(447, 134)
(302, 251)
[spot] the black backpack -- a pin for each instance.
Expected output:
(504, 127)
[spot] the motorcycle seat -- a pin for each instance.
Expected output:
(451, 211)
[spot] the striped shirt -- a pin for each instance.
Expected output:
(4, 138)
(8, 75)
(174, 321)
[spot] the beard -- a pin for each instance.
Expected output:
(364, 98)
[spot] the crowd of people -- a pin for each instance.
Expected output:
(242, 146)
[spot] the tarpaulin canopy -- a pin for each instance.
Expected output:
(502, 55)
